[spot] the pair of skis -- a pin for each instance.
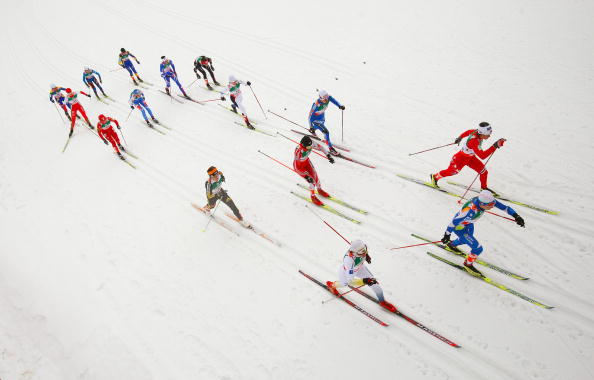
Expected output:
(374, 318)
(254, 124)
(332, 209)
(475, 190)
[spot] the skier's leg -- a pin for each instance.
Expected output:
(148, 109)
(239, 103)
(142, 111)
(456, 164)
(113, 142)
(477, 165)
(93, 88)
(180, 86)
(233, 103)
(100, 88)
(82, 111)
(211, 74)
(229, 202)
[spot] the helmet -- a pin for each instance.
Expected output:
(87, 68)
(484, 129)
(306, 141)
(358, 247)
(485, 197)
(212, 170)
(123, 50)
(53, 85)
(232, 78)
(68, 90)
(323, 93)
(102, 117)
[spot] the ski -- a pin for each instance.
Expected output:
(102, 101)
(317, 138)
(255, 129)
(491, 282)
(339, 201)
(159, 123)
(141, 85)
(429, 185)
(255, 230)
(128, 162)
(348, 301)
(233, 112)
(340, 155)
(166, 94)
(498, 196)
(409, 319)
(152, 127)
(147, 83)
(190, 99)
(217, 220)
(328, 208)
(66, 145)
(481, 262)
(109, 98)
(130, 154)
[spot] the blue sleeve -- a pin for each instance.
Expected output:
(173, 66)
(502, 207)
(161, 68)
(334, 101)
(131, 55)
(313, 109)
(50, 98)
(83, 78)
(97, 72)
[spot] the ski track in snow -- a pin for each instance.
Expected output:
(107, 273)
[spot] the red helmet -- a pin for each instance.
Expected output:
(102, 117)
(68, 90)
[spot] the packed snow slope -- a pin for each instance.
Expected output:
(105, 271)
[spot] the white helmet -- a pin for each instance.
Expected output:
(323, 93)
(232, 78)
(53, 85)
(484, 129)
(87, 68)
(485, 196)
(358, 247)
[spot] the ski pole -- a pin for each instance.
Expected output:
(342, 125)
(122, 133)
(284, 118)
(342, 294)
(427, 150)
(290, 139)
(501, 216)
(274, 159)
(115, 69)
(416, 245)
(211, 216)
(129, 113)
(58, 111)
(190, 85)
(328, 224)
(477, 175)
(211, 100)
(66, 145)
(264, 113)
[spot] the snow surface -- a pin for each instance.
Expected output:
(106, 273)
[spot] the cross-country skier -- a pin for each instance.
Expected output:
(90, 80)
(168, 72)
(470, 153)
(126, 62)
(215, 192)
(234, 91)
(137, 100)
(463, 226)
(107, 133)
(304, 167)
(353, 272)
(201, 63)
(317, 116)
(75, 107)
(57, 96)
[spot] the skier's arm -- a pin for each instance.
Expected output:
(210, 63)
(51, 97)
(313, 109)
(464, 134)
(85, 80)
(511, 212)
(173, 67)
(348, 265)
(482, 154)
(85, 94)
(335, 102)
(99, 75)
(458, 220)
(115, 121)
(322, 147)
(100, 131)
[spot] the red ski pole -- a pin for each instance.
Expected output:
(427, 150)
(266, 117)
(342, 294)
(284, 118)
(416, 245)
(277, 161)
(328, 224)
(296, 142)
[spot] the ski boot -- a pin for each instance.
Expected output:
(121, 156)
(244, 223)
(233, 108)
(155, 120)
(469, 267)
(140, 80)
(388, 306)
(312, 131)
(207, 209)
(121, 147)
(149, 124)
(453, 248)
(209, 86)
(135, 82)
(433, 181)
(316, 201)
(333, 151)
(323, 193)
(68, 116)
(216, 83)
(167, 91)
(90, 125)
(332, 288)
(249, 125)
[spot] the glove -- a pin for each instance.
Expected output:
(309, 179)
(368, 259)
(222, 98)
(499, 143)
(137, 62)
(52, 100)
(458, 139)
(330, 158)
(446, 238)
(519, 220)
(222, 176)
(71, 132)
(342, 107)
(212, 68)
(132, 107)
(105, 141)
(100, 81)
(197, 76)
(369, 281)
(118, 127)
(88, 96)
(249, 83)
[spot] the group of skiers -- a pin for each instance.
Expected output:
(353, 271)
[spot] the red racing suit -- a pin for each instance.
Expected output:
(106, 132)
(467, 156)
(75, 106)
(303, 165)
